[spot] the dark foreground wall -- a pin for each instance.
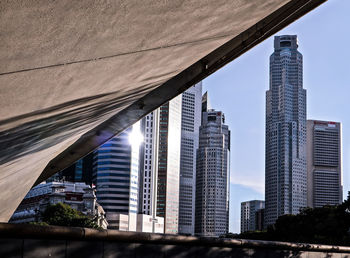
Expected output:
(37, 241)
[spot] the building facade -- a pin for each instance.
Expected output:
(285, 171)
(212, 175)
(168, 178)
(78, 196)
(150, 224)
(149, 163)
(259, 219)
(116, 176)
(324, 163)
(252, 213)
(81, 171)
(147, 219)
(191, 120)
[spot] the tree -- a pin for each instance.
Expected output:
(62, 214)
(326, 225)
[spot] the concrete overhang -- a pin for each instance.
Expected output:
(75, 73)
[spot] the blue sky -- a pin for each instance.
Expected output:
(239, 88)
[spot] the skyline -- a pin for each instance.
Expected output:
(250, 182)
(249, 76)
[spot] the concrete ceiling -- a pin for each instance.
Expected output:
(75, 73)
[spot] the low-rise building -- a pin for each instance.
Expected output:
(79, 196)
(146, 223)
(252, 215)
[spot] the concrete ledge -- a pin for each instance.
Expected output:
(25, 231)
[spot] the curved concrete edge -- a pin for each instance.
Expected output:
(19, 231)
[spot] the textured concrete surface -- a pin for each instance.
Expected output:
(38, 241)
(71, 71)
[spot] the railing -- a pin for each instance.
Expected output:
(21, 240)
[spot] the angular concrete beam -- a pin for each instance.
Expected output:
(179, 83)
(75, 73)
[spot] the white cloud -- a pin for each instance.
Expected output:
(256, 184)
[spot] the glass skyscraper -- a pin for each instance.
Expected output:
(169, 164)
(164, 169)
(116, 175)
(285, 171)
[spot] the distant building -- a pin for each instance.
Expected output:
(213, 174)
(79, 196)
(116, 176)
(191, 120)
(252, 215)
(324, 163)
(285, 171)
(259, 219)
(81, 171)
(149, 224)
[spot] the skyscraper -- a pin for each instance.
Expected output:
(213, 174)
(115, 173)
(324, 166)
(250, 211)
(147, 219)
(191, 120)
(149, 163)
(169, 164)
(285, 171)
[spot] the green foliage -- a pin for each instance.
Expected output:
(326, 225)
(229, 235)
(63, 215)
(38, 223)
(261, 235)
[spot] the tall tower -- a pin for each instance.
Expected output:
(149, 163)
(213, 174)
(324, 163)
(285, 171)
(191, 120)
(169, 143)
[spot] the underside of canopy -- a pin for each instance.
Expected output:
(75, 73)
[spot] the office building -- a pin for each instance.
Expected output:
(160, 167)
(259, 219)
(191, 120)
(212, 175)
(81, 171)
(147, 219)
(148, 163)
(150, 224)
(252, 213)
(169, 143)
(324, 163)
(285, 171)
(116, 176)
(154, 161)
